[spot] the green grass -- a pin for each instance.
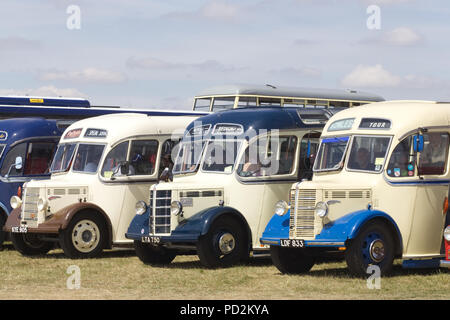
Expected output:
(121, 275)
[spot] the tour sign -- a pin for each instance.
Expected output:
(372, 123)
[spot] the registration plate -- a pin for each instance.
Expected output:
(292, 243)
(21, 229)
(151, 239)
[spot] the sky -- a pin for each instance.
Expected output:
(161, 53)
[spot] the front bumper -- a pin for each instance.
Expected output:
(445, 264)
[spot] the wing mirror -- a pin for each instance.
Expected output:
(418, 143)
(17, 165)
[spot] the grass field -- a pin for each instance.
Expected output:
(121, 275)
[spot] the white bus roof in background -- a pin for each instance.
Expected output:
(269, 90)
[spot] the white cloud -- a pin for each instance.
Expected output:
(377, 76)
(47, 91)
(219, 10)
(370, 77)
(19, 43)
(158, 64)
(85, 75)
(402, 36)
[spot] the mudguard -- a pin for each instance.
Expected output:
(189, 230)
(335, 233)
(59, 221)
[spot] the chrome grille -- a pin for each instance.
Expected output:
(159, 220)
(29, 206)
(302, 221)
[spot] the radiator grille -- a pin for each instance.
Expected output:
(302, 221)
(29, 206)
(159, 220)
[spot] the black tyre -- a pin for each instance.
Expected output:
(30, 244)
(291, 260)
(84, 237)
(2, 223)
(149, 254)
(225, 244)
(374, 245)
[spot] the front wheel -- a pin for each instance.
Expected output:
(291, 260)
(30, 244)
(2, 233)
(149, 254)
(84, 237)
(374, 245)
(224, 245)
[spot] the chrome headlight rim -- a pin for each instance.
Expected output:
(281, 208)
(42, 204)
(15, 202)
(321, 209)
(175, 208)
(447, 233)
(140, 208)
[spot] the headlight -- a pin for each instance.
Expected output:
(140, 207)
(447, 233)
(15, 202)
(281, 207)
(321, 209)
(41, 204)
(176, 207)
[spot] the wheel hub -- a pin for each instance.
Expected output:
(226, 243)
(85, 236)
(376, 250)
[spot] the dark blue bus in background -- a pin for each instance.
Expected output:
(30, 128)
(27, 146)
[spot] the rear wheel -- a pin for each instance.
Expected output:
(153, 255)
(291, 260)
(30, 244)
(224, 245)
(374, 245)
(84, 237)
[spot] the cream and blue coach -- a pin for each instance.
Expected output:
(379, 191)
(102, 167)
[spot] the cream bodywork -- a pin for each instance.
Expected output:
(416, 208)
(118, 197)
(254, 198)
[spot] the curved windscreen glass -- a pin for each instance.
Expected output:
(331, 154)
(189, 156)
(63, 157)
(88, 157)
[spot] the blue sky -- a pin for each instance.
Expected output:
(160, 53)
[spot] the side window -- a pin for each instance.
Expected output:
(269, 156)
(433, 158)
(143, 157)
(401, 163)
(17, 151)
(38, 158)
(115, 156)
